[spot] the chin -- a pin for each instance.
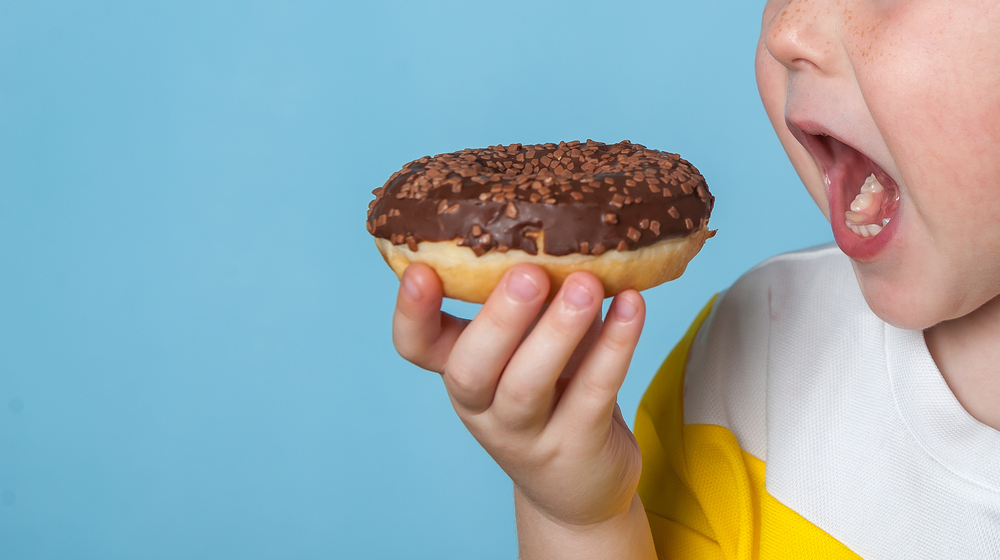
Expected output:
(901, 300)
(900, 312)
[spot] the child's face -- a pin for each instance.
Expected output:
(907, 90)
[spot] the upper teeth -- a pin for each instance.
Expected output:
(861, 202)
(871, 185)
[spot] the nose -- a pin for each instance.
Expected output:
(801, 35)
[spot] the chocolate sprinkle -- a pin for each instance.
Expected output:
(585, 196)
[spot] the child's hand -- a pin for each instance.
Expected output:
(540, 397)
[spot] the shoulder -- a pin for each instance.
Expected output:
(703, 423)
(727, 369)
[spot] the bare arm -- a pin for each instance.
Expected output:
(623, 536)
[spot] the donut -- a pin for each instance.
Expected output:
(632, 216)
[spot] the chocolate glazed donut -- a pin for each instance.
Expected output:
(632, 216)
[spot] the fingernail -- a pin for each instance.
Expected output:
(624, 310)
(521, 286)
(410, 287)
(577, 296)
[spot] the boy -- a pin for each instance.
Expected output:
(863, 377)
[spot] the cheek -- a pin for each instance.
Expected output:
(772, 79)
(771, 75)
(935, 94)
(818, 193)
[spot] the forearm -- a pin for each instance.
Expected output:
(626, 537)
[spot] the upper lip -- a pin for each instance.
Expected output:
(808, 134)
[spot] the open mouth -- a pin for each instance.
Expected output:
(863, 197)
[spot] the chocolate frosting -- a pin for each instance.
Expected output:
(586, 197)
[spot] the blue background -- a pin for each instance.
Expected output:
(194, 324)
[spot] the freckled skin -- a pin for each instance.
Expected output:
(915, 86)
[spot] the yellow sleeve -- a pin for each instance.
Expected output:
(704, 496)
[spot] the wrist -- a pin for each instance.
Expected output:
(625, 535)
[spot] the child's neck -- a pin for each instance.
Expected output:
(967, 351)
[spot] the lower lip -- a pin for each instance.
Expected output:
(858, 248)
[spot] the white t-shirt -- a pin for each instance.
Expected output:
(859, 432)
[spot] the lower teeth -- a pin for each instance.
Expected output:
(868, 230)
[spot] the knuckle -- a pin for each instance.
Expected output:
(520, 395)
(524, 409)
(408, 350)
(564, 323)
(556, 331)
(463, 383)
(404, 338)
(616, 341)
(517, 419)
(500, 319)
(560, 322)
(597, 388)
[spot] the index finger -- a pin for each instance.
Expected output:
(421, 333)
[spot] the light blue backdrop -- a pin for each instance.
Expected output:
(194, 324)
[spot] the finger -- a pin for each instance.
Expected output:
(526, 391)
(584, 346)
(484, 348)
(590, 398)
(421, 333)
